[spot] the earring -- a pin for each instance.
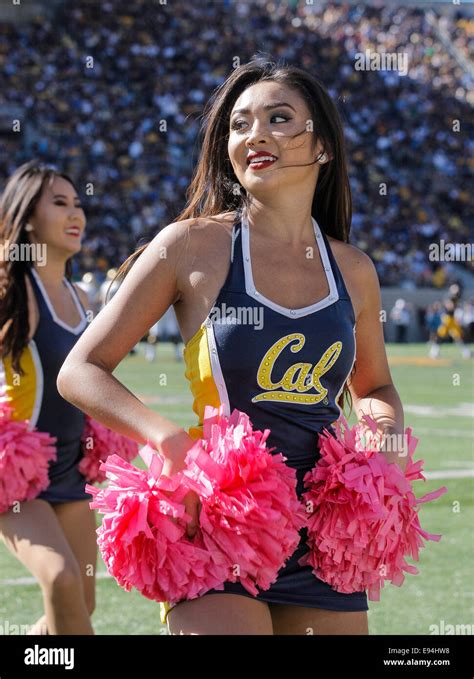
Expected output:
(28, 227)
(323, 158)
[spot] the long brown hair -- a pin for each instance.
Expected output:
(213, 187)
(19, 199)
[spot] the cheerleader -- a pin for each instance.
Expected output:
(265, 237)
(42, 315)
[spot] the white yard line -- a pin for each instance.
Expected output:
(459, 433)
(462, 409)
(32, 581)
(450, 474)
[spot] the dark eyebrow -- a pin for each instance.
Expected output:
(60, 195)
(267, 107)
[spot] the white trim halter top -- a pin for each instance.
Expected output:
(285, 368)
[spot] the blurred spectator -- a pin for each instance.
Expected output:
(91, 287)
(467, 321)
(108, 288)
(104, 124)
(165, 330)
(400, 315)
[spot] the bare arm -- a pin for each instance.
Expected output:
(372, 389)
(86, 379)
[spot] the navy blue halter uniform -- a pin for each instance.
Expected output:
(52, 342)
(286, 369)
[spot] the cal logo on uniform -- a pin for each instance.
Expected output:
(298, 378)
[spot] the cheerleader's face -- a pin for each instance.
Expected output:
(58, 220)
(282, 131)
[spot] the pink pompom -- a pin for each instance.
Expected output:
(98, 442)
(248, 521)
(364, 518)
(140, 544)
(250, 510)
(25, 453)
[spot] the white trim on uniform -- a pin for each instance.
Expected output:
(39, 383)
(216, 368)
(251, 290)
(235, 233)
(82, 323)
(3, 380)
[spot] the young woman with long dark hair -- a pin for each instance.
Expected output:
(266, 230)
(42, 315)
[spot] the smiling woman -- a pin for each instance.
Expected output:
(42, 315)
(269, 192)
(41, 213)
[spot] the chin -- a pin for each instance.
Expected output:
(261, 181)
(70, 250)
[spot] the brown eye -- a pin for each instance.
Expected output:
(236, 124)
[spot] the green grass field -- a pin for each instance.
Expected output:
(437, 398)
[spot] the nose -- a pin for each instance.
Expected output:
(257, 134)
(76, 216)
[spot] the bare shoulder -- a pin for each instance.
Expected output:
(204, 247)
(351, 254)
(199, 228)
(179, 249)
(358, 271)
(200, 243)
(188, 236)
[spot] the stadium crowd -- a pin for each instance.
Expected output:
(96, 81)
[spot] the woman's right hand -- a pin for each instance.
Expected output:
(174, 449)
(192, 504)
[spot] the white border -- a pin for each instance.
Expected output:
(3, 381)
(251, 290)
(235, 233)
(216, 367)
(39, 383)
(82, 323)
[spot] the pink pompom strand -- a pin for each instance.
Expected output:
(248, 521)
(25, 454)
(363, 513)
(98, 442)
(141, 545)
(250, 509)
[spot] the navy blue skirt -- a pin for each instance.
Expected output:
(297, 584)
(67, 484)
